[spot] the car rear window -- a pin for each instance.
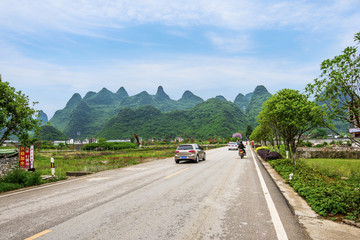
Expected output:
(185, 147)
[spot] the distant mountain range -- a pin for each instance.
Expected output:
(118, 115)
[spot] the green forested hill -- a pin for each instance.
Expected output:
(241, 101)
(258, 97)
(61, 117)
(188, 100)
(221, 97)
(49, 133)
(213, 117)
(80, 121)
(43, 117)
(85, 117)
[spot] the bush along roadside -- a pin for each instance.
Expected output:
(331, 197)
(19, 178)
(266, 154)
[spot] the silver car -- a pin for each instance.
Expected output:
(232, 146)
(189, 152)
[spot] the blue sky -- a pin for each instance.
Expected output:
(52, 49)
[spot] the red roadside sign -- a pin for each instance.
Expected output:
(26, 159)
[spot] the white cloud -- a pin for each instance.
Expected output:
(233, 43)
(53, 85)
(229, 26)
(82, 16)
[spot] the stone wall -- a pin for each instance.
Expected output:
(8, 162)
(326, 152)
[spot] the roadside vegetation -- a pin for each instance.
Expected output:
(19, 178)
(331, 187)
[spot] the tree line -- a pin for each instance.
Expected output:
(289, 114)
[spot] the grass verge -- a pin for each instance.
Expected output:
(323, 186)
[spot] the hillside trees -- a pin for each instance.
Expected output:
(338, 86)
(17, 117)
(291, 114)
(50, 133)
(211, 118)
(259, 96)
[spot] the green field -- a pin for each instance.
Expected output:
(335, 167)
(92, 161)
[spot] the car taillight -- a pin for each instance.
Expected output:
(192, 151)
(177, 152)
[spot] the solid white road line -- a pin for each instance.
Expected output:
(279, 228)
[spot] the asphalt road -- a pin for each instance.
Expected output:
(224, 197)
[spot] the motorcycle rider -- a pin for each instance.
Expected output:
(241, 146)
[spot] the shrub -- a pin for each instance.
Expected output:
(33, 179)
(324, 144)
(267, 155)
(325, 195)
(305, 144)
(273, 156)
(9, 186)
(262, 152)
(16, 176)
(261, 147)
(19, 178)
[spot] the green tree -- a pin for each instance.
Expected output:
(102, 140)
(261, 133)
(272, 124)
(17, 118)
(293, 115)
(338, 86)
(249, 130)
(318, 133)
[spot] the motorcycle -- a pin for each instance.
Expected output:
(241, 153)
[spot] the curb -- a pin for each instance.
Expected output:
(315, 226)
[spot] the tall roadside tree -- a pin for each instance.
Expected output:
(268, 123)
(17, 118)
(261, 133)
(249, 130)
(338, 86)
(291, 114)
